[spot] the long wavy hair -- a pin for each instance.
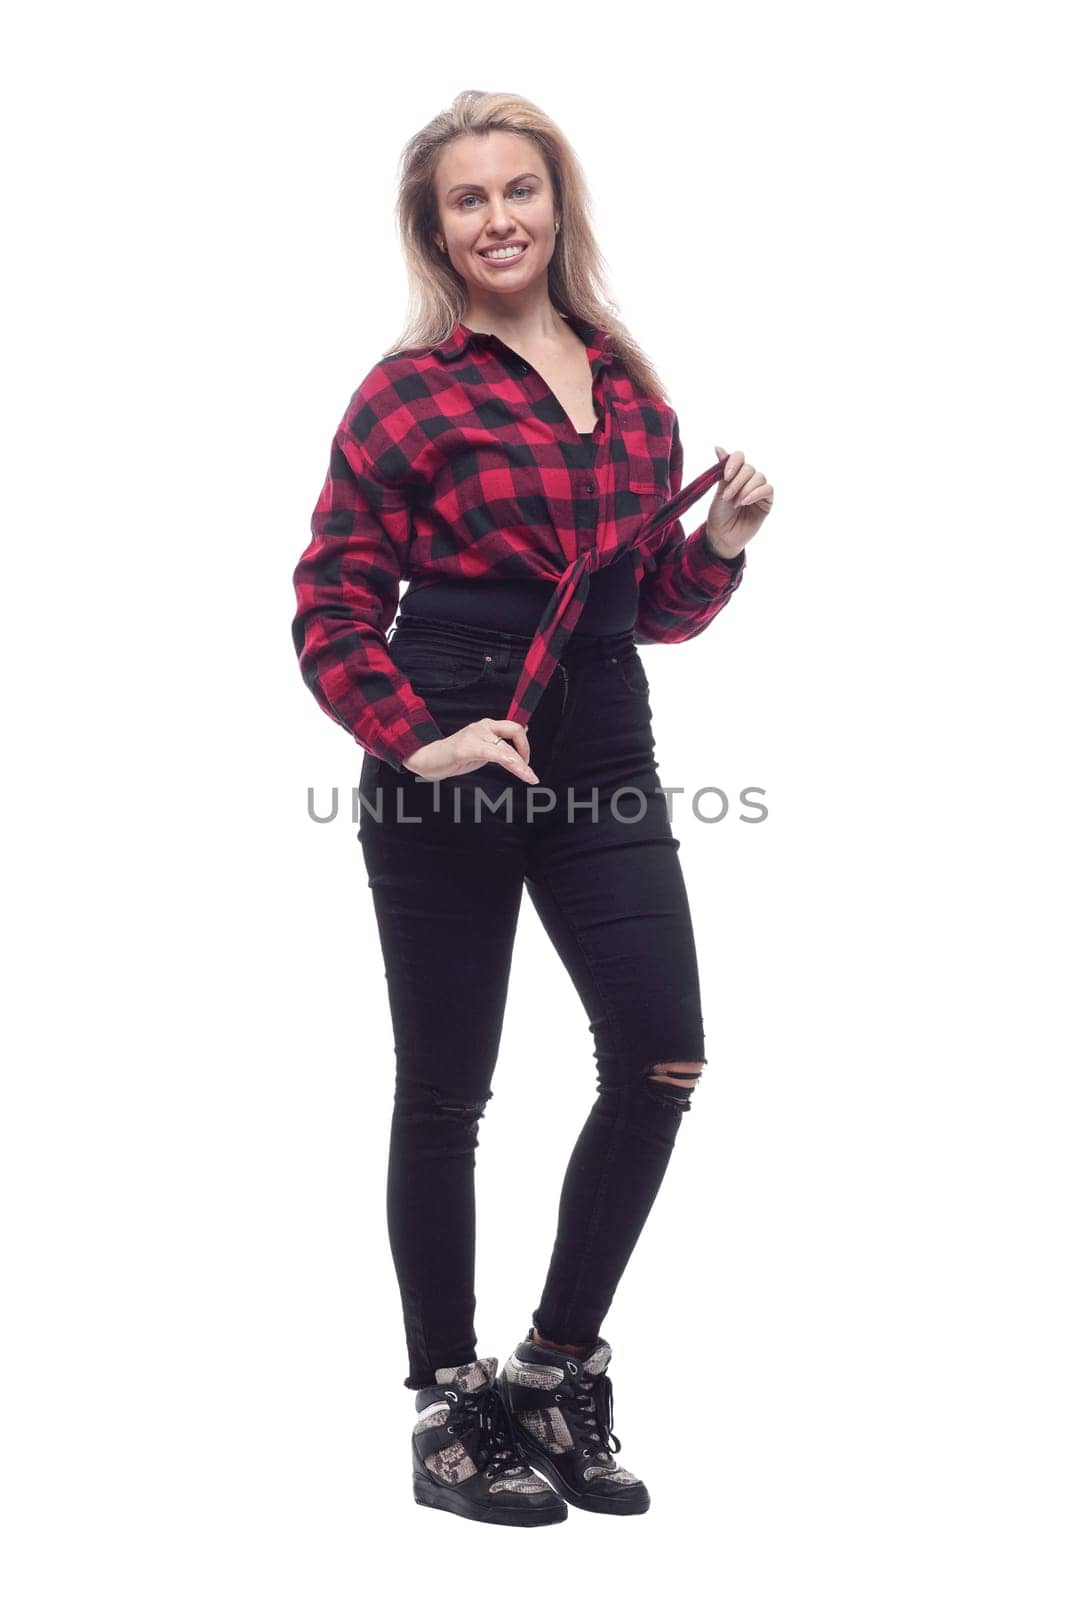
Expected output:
(576, 274)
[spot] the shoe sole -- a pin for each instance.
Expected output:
(539, 1459)
(440, 1498)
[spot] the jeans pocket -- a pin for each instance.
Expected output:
(436, 668)
(632, 671)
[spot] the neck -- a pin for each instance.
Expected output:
(517, 324)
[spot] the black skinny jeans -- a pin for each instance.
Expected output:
(609, 890)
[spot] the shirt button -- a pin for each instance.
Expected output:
(590, 488)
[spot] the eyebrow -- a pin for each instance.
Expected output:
(510, 181)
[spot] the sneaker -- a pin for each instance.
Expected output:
(561, 1409)
(465, 1455)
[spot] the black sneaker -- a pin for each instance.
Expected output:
(561, 1408)
(465, 1455)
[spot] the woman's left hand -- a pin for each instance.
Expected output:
(743, 498)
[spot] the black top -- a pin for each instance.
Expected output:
(515, 605)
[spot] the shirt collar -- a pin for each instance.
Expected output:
(598, 342)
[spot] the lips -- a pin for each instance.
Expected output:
(513, 257)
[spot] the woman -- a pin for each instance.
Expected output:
(514, 458)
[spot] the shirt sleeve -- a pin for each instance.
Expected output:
(347, 586)
(684, 585)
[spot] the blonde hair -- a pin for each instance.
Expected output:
(576, 274)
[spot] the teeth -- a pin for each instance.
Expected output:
(502, 255)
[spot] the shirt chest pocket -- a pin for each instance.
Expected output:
(646, 472)
(647, 478)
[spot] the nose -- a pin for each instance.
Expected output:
(499, 220)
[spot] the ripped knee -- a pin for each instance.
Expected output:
(446, 1105)
(675, 1080)
(418, 1100)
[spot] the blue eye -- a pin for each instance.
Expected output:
(522, 188)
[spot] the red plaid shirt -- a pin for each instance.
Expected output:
(457, 460)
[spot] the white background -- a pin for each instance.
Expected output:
(835, 1347)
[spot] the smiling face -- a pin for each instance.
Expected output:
(494, 192)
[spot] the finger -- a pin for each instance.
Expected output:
(740, 482)
(512, 730)
(504, 753)
(732, 462)
(763, 491)
(745, 485)
(506, 757)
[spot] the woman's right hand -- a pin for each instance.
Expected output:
(471, 748)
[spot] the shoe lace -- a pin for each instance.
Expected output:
(591, 1413)
(484, 1413)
